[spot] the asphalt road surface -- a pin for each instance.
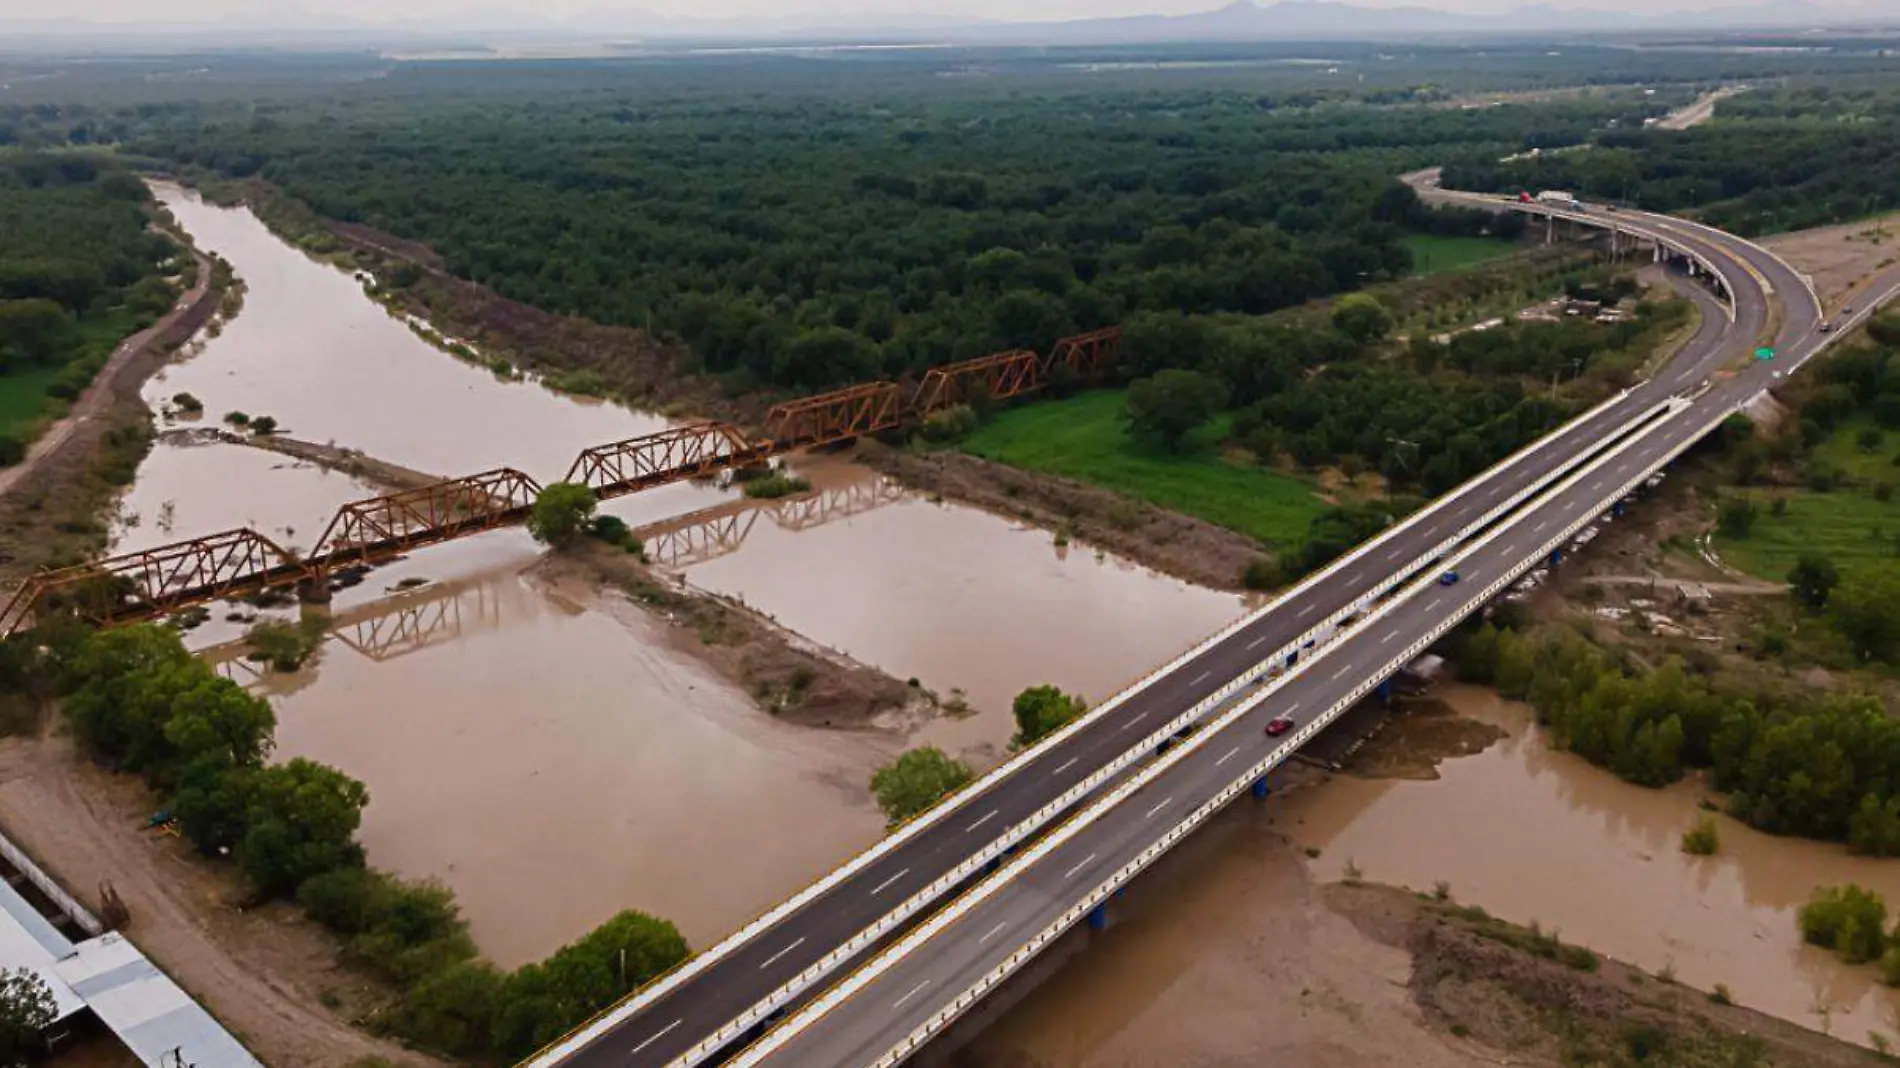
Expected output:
(898, 1000)
(668, 1025)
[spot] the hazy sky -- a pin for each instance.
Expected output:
(447, 10)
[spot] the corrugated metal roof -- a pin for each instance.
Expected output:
(151, 1014)
(29, 941)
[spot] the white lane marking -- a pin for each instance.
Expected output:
(1256, 642)
(1292, 708)
(1307, 611)
(1199, 677)
(657, 1035)
(1394, 554)
(1158, 807)
(774, 958)
(986, 817)
(1130, 724)
(1389, 635)
(1510, 550)
(1066, 765)
(914, 991)
(1225, 757)
(885, 885)
(1341, 673)
(1434, 604)
(992, 932)
(1085, 863)
(1539, 528)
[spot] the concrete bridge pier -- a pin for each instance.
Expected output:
(314, 590)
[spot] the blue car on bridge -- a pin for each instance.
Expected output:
(1449, 578)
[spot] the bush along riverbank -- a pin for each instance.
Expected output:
(138, 702)
(1825, 767)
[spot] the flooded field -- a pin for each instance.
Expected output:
(1528, 833)
(553, 754)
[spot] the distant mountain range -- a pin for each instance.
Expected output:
(1242, 20)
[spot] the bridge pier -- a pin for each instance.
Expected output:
(1385, 691)
(1098, 917)
(314, 590)
(1261, 789)
(1556, 557)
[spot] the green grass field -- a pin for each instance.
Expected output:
(1848, 524)
(1443, 255)
(23, 401)
(1083, 437)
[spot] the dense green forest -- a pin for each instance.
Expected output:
(800, 242)
(1774, 159)
(79, 270)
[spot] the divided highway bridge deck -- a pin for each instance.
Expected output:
(152, 583)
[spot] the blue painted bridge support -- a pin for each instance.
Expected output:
(1385, 691)
(1260, 788)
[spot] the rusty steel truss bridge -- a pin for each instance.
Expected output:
(156, 582)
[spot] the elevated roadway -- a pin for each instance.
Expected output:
(909, 992)
(731, 989)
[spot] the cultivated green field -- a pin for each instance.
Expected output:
(1849, 524)
(1084, 438)
(1443, 255)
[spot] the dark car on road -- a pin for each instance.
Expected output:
(1279, 725)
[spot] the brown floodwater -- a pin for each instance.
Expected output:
(311, 350)
(1529, 833)
(548, 754)
(959, 598)
(551, 754)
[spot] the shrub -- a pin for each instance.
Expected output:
(237, 419)
(1847, 919)
(187, 403)
(776, 485)
(1702, 839)
(915, 781)
(263, 424)
(950, 424)
(614, 531)
(562, 511)
(584, 381)
(1263, 574)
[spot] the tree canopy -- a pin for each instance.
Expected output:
(915, 781)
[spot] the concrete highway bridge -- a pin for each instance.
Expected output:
(873, 960)
(870, 962)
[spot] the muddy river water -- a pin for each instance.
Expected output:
(551, 753)
(1529, 833)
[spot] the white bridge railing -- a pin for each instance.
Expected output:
(956, 910)
(902, 912)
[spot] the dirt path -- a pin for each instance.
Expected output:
(263, 972)
(187, 315)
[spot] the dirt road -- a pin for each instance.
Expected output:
(184, 318)
(264, 972)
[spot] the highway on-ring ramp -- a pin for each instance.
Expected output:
(735, 985)
(896, 1001)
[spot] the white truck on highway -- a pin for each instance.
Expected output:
(1560, 198)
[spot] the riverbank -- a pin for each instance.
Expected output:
(51, 502)
(1362, 922)
(647, 372)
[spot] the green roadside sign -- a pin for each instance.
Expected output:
(1764, 354)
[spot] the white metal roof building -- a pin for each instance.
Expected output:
(108, 976)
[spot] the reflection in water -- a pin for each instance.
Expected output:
(710, 533)
(1532, 833)
(554, 762)
(958, 598)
